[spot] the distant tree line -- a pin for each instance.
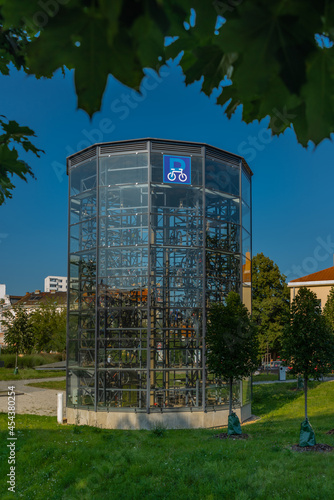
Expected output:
(302, 334)
(44, 329)
(271, 305)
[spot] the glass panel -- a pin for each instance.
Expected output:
(218, 394)
(222, 266)
(80, 387)
(178, 273)
(246, 269)
(125, 199)
(246, 391)
(222, 207)
(221, 176)
(246, 243)
(181, 230)
(246, 217)
(122, 388)
(222, 236)
(123, 169)
(83, 206)
(83, 236)
(82, 283)
(125, 230)
(83, 177)
(126, 266)
(246, 188)
(81, 325)
(176, 388)
(176, 199)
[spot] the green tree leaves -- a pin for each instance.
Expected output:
(270, 302)
(232, 349)
(318, 95)
(272, 47)
(308, 341)
(267, 53)
(329, 308)
(44, 329)
(49, 327)
(273, 58)
(10, 164)
(18, 331)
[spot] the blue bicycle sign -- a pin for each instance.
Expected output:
(177, 169)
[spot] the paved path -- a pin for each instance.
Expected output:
(33, 400)
(325, 379)
(38, 401)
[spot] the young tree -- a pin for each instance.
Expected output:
(49, 327)
(270, 303)
(18, 331)
(231, 343)
(308, 345)
(329, 308)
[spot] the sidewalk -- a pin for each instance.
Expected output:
(38, 401)
(33, 400)
(289, 381)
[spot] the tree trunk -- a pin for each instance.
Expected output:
(230, 398)
(16, 358)
(305, 392)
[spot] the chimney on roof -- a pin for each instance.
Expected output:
(27, 293)
(37, 291)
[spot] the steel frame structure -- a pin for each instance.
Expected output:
(146, 258)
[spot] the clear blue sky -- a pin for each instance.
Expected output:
(293, 202)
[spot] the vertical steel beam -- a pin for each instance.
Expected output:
(96, 385)
(68, 284)
(203, 278)
(148, 356)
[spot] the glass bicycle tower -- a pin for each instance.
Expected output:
(158, 229)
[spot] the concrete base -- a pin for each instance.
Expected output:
(168, 420)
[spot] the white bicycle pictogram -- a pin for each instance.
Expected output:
(172, 174)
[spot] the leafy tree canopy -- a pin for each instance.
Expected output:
(18, 331)
(231, 343)
(49, 327)
(270, 302)
(275, 58)
(13, 42)
(308, 341)
(232, 350)
(329, 308)
(10, 163)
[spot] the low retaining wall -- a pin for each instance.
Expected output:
(168, 420)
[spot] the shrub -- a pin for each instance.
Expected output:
(29, 360)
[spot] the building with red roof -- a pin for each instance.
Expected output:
(320, 283)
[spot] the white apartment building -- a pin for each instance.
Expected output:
(55, 284)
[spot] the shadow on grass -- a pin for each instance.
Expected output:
(55, 461)
(272, 397)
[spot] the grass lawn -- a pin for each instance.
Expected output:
(271, 376)
(60, 385)
(73, 462)
(27, 373)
